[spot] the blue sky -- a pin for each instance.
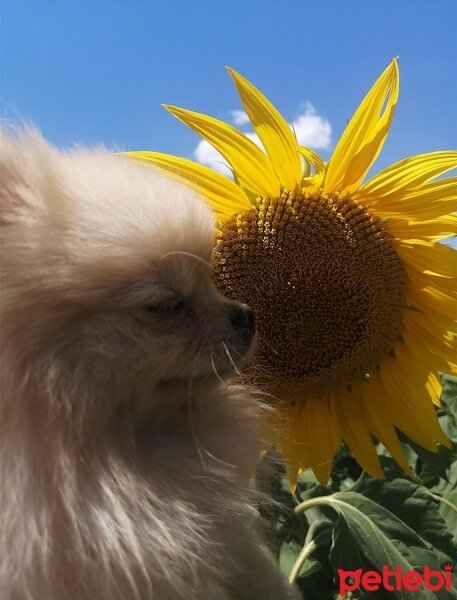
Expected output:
(97, 71)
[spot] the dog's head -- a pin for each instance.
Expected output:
(106, 281)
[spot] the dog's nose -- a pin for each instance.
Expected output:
(242, 317)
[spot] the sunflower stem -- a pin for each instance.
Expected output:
(308, 548)
(320, 501)
(445, 501)
(356, 484)
(306, 551)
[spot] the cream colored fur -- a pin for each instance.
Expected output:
(124, 457)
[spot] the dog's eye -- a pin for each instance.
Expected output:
(170, 306)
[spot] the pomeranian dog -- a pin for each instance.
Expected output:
(124, 454)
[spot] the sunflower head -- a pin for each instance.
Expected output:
(327, 282)
(354, 298)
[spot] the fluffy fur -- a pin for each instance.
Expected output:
(123, 455)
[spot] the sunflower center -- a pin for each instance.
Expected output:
(325, 283)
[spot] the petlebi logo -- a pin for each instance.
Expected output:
(396, 579)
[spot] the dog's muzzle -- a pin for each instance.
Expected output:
(243, 321)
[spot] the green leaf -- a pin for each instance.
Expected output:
(416, 507)
(359, 542)
(446, 497)
(317, 586)
(448, 424)
(288, 555)
(449, 392)
(448, 416)
(438, 462)
(390, 467)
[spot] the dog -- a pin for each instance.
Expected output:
(125, 451)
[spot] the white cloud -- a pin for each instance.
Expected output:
(240, 117)
(311, 130)
(207, 155)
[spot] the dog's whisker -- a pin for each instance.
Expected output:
(234, 251)
(215, 370)
(240, 356)
(190, 254)
(265, 342)
(229, 356)
(200, 447)
(189, 411)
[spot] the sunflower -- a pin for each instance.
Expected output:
(354, 297)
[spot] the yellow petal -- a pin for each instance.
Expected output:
(435, 229)
(419, 281)
(429, 355)
(371, 398)
(409, 410)
(271, 127)
(364, 136)
(405, 381)
(320, 433)
(433, 313)
(421, 203)
(437, 258)
(354, 429)
(434, 388)
(425, 327)
(312, 158)
(421, 338)
(224, 196)
(252, 167)
(410, 174)
(430, 299)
